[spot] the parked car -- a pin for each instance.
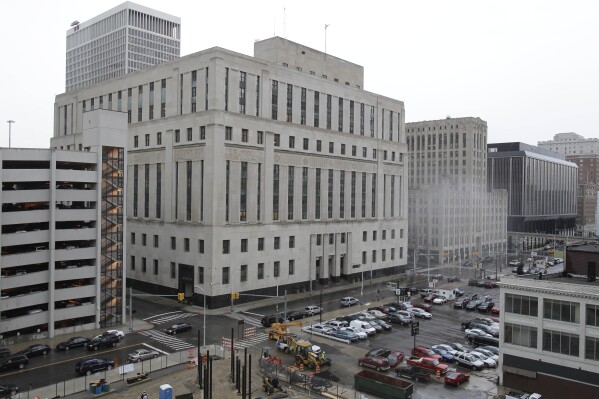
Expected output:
(452, 279)
(269, 319)
(485, 359)
(297, 314)
(471, 333)
(417, 312)
(120, 334)
(456, 378)
(423, 306)
(485, 341)
(469, 361)
(491, 284)
(8, 390)
(430, 298)
(93, 365)
(4, 352)
(102, 341)
(423, 351)
(381, 308)
(495, 310)
(35, 350)
(492, 349)
(13, 362)
(446, 348)
(485, 306)
(397, 318)
(384, 325)
(349, 301)
(142, 354)
(74, 342)
(360, 334)
(393, 357)
(461, 303)
(178, 328)
(440, 300)
(312, 310)
(337, 324)
(458, 292)
(378, 363)
(376, 313)
(345, 334)
(458, 347)
(472, 305)
(445, 355)
(487, 353)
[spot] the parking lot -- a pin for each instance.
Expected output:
(443, 327)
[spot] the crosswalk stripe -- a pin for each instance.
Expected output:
(171, 318)
(171, 342)
(246, 319)
(251, 341)
(162, 314)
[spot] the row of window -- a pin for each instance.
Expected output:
(552, 309)
(156, 242)
(383, 255)
(384, 234)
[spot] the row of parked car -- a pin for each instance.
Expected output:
(474, 302)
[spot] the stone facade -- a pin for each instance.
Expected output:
(571, 144)
(246, 174)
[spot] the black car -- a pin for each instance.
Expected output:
(485, 306)
(472, 282)
(386, 326)
(4, 352)
(35, 350)
(8, 390)
(13, 362)
(479, 340)
(90, 366)
(472, 305)
(178, 328)
(269, 319)
(102, 341)
(75, 342)
(297, 314)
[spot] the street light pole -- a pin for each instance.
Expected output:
(204, 326)
(10, 122)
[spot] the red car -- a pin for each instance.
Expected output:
(423, 306)
(490, 284)
(430, 297)
(495, 310)
(376, 362)
(423, 351)
(380, 308)
(456, 378)
(394, 358)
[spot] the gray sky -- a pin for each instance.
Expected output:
(529, 68)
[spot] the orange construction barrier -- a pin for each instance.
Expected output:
(302, 367)
(317, 368)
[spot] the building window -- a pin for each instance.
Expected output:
(132, 238)
(290, 191)
(261, 244)
(561, 310)
(202, 132)
(194, 89)
(243, 192)
(592, 315)
(243, 273)
(318, 145)
(159, 138)
(201, 246)
(225, 278)
(330, 195)
(244, 135)
(257, 95)
(143, 265)
(226, 89)
(371, 121)
(316, 109)
(373, 195)
(140, 101)
(155, 267)
(364, 257)
(364, 236)
(275, 100)
(374, 235)
(383, 255)
(189, 171)
(363, 194)
(276, 269)
(277, 140)
(364, 152)
(260, 137)
(374, 256)
(260, 271)
(331, 147)
(306, 144)
(393, 252)
(132, 262)
(362, 119)
(329, 110)
(186, 244)
(189, 134)
(384, 237)
(519, 304)
(135, 141)
(342, 149)
(560, 342)
(317, 195)
(173, 243)
(277, 243)
(158, 190)
(318, 239)
(226, 246)
(244, 245)
(200, 275)
(303, 107)
(275, 193)
(291, 242)
(289, 102)
(227, 192)
(143, 239)
(173, 270)
(291, 141)
(156, 241)
(342, 194)
(340, 114)
(242, 78)
(291, 267)
(304, 193)
(591, 350)
(351, 116)
(147, 137)
(163, 98)
(228, 133)
(331, 239)
(520, 335)
(177, 136)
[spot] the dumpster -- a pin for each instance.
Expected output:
(385, 386)
(95, 388)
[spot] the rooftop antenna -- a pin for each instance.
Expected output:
(325, 38)
(284, 21)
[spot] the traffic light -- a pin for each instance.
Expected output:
(181, 296)
(234, 295)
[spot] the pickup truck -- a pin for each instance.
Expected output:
(427, 363)
(414, 373)
(520, 395)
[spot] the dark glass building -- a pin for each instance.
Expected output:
(541, 187)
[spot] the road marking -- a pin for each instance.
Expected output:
(163, 314)
(251, 341)
(168, 340)
(156, 349)
(247, 319)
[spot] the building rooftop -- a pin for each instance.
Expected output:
(571, 285)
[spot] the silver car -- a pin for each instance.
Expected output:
(142, 354)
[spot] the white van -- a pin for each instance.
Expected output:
(363, 326)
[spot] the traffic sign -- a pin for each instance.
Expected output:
(415, 328)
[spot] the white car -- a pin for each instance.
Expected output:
(487, 353)
(349, 301)
(376, 313)
(364, 316)
(423, 314)
(486, 360)
(440, 300)
(474, 332)
(336, 323)
(448, 348)
(312, 310)
(361, 334)
(318, 328)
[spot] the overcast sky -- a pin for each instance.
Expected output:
(529, 68)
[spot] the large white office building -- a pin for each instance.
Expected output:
(62, 234)
(452, 215)
(571, 144)
(250, 173)
(124, 39)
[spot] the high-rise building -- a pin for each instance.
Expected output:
(248, 174)
(451, 214)
(549, 341)
(124, 39)
(588, 185)
(62, 233)
(570, 144)
(542, 187)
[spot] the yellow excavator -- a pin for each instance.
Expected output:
(280, 329)
(304, 351)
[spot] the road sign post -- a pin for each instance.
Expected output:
(414, 330)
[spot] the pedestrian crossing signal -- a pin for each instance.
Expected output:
(181, 296)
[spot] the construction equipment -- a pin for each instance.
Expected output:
(270, 384)
(280, 329)
(304, 351)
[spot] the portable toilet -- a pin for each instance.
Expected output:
(166, 392)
